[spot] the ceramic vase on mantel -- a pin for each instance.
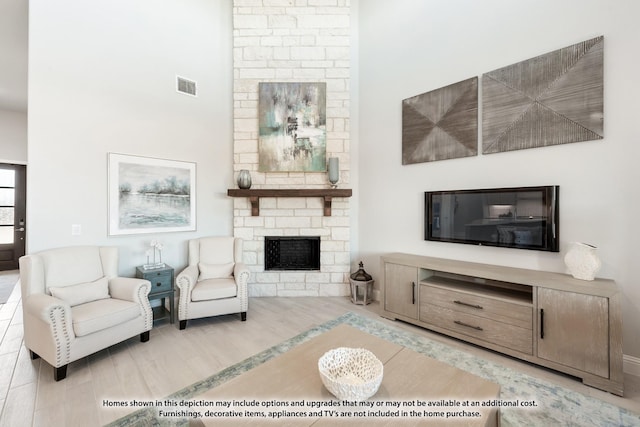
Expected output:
(334, 171)
(244, 179)
(582, 261)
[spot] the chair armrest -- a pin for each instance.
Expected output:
(187, 279)
(129, 288)
(42, 306)
(48, 328)
(241, 273)
(134, 290)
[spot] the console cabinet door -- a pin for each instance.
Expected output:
(573, 330)
(401, 290)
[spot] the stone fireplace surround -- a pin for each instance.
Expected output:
(295, 216)
(293, 41)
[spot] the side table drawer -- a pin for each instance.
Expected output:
(161, 280)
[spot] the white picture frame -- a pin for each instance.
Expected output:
(150, 195)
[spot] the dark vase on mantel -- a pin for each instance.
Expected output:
(244, 179)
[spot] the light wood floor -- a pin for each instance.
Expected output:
(173, 359)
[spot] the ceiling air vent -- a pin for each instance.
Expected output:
(186, 86)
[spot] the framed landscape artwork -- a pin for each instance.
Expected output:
(148, 195)
(292, 127)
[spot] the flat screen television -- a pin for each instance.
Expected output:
(522, 218)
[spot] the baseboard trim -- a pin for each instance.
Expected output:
(631, 365)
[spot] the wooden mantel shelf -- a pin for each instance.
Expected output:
(254, 195)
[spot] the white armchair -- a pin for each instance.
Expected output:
(215, 281)
(74, 304)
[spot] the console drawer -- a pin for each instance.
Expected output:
(492, 331)
(501, 310)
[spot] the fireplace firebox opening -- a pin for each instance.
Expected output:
(292, 253)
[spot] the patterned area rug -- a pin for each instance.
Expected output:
(8, 280)
(557, 406)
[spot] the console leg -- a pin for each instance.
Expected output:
(243, 316)
(144, 337)
(183, 324)
(33, 355)
(60, 373)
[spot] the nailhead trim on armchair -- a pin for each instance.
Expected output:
(185, 286)
(60, 333)
(243, 291)
(148, 313)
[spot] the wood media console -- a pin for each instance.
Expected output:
(549, 319)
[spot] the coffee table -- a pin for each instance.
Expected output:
(410, 379)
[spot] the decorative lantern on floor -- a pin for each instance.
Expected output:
(361, 286)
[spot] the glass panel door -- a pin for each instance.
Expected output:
(7, 205)
(12, 214)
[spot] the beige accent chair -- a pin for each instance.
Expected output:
(74, 304)
(215, 281)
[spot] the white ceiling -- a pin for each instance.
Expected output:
(14, 35)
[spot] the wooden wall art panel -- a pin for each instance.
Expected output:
(441, 124)
(556, 98)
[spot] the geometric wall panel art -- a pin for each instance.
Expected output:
(441, 124)
(552, 99)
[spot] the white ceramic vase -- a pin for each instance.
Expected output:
(582, 261)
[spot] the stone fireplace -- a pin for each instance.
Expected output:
(289, 219)
(305, 43)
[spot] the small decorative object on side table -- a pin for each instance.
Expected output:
(161, 279)
(361, 286)
(155, 246)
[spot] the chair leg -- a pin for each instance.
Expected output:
(34, 355)
(60, 373)
(144, 337)
(183, 324)
(243, 316)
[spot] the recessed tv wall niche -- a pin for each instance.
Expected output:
(522, 218)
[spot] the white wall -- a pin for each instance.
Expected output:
(409, 47)
(102, 79)
(13, 137)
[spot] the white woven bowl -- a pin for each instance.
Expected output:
(350, 373)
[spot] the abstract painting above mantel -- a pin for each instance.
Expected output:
(148, 195)
(441, 124)
(292, 127)
(552, 99)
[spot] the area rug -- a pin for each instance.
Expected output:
(8, 280)
(557, 406)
